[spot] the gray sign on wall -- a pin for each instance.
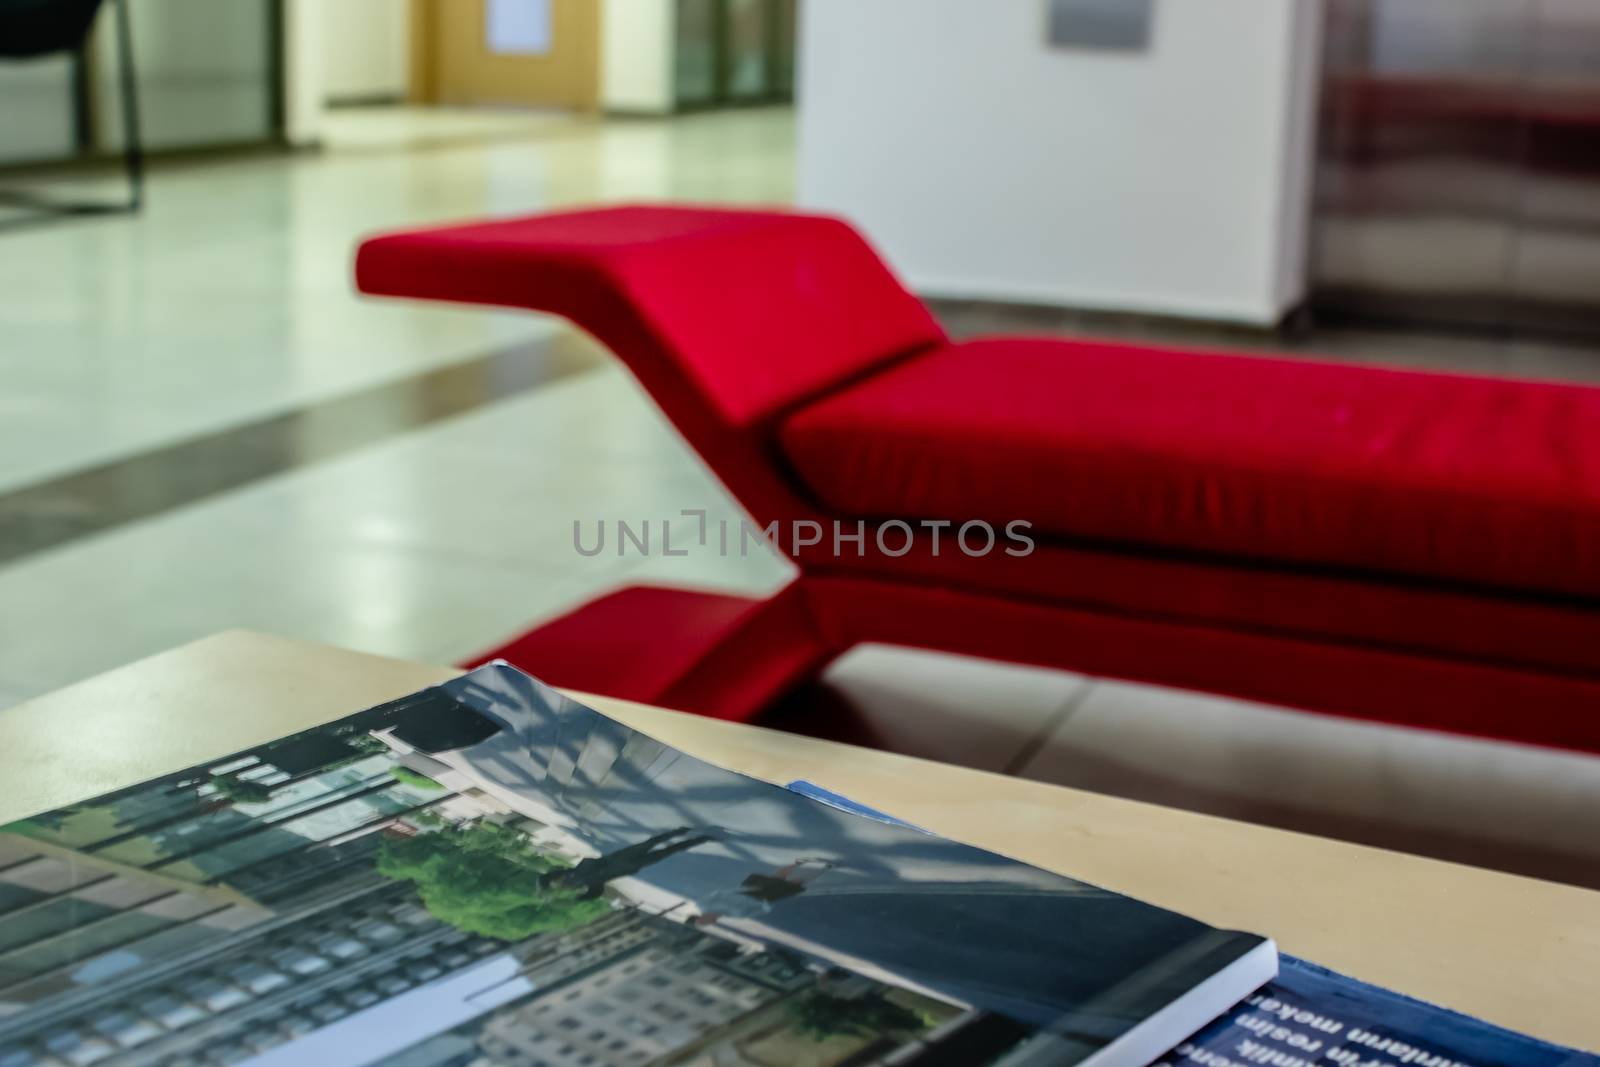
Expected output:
(1112, 25)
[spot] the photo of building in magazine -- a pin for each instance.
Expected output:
(488, 872)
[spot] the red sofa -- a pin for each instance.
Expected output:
(1414, 548)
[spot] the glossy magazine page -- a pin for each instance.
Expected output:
(490, 873)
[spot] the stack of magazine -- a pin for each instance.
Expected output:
(489, 873)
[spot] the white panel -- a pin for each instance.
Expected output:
(366, 48)
(205, 73)
(304, 28)
(636, 55)
(989, 164)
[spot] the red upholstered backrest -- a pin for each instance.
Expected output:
(744, 312)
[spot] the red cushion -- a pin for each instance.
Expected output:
(1439, 476)
(751, 309)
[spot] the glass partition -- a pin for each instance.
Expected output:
(749, 50)
(695, 53)
(208, 73)
(37, 121)
(729, 52)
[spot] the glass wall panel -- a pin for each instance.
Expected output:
(783, 48)
(207, 73)
(695, 53)
(1458, 171)
(36, 119)
(731, 52)
(749, 57)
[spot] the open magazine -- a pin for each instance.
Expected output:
(489, 873)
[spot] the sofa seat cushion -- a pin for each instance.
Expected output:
(1442, 477)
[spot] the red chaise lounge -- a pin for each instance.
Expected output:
(1415, 548)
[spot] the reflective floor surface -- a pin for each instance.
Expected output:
(202, 427)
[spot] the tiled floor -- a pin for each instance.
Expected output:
(387, 129)
(1455, 798)
(230, 296)
(1512, 807)
(440, 528)
(994, 716)
(433, 545)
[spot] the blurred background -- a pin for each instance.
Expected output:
(202, 426)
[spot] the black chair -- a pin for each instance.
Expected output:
(32, 29)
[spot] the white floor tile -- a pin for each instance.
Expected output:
(956, 709)
(1462, 798)
(601, 412)
(105, 602)
(385, 127)
(434, 545)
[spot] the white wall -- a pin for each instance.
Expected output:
(636, 56)
(366, 48)
(303, 25)
(989, 165)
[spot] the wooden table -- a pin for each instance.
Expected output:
(1519, 952)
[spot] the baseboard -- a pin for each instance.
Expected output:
(1056, 318)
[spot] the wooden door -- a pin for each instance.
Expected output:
(539, 53)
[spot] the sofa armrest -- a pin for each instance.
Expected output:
(741, 314)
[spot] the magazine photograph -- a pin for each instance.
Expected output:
(491, 873)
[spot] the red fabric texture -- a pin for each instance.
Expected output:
(1471, 480)
(1523, 632)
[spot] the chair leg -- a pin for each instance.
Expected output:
(132, 141)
